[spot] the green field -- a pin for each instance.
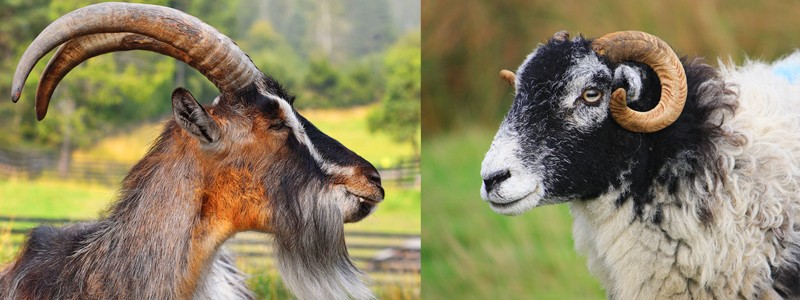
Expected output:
(470, 252)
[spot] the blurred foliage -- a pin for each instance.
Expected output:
(399, 112)
(468, 42)
(328, 52)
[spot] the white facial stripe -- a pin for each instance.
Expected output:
(292, 121)
(300, 133)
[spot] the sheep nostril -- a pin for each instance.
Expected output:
(495, 179)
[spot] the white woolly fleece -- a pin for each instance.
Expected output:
(752, 188)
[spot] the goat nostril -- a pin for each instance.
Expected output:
(495, 179)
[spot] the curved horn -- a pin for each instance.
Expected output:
(76, 51)
(508, 76)
(648, 49)
(209, 51)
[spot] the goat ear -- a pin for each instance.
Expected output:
(193, 118)
(630, 77)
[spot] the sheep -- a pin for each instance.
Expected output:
(692, 192)
(249, 161)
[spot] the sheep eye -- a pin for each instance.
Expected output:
(591, 96)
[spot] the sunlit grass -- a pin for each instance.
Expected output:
(470, 252)
(7, 249)
(53, 199)
(398, 213)
(128, 146)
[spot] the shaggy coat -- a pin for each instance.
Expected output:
(703, 209)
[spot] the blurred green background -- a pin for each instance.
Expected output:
(469, 251)
(353, 64)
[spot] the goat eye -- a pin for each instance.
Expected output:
(278, 126)
(591, 96)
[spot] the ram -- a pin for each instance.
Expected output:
(683, 180)
(249, 161)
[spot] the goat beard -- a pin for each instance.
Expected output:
(311, 253)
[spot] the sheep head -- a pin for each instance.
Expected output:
(570, 133)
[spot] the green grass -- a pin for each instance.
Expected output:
(398, 213)
(470, 252)
(53, 199)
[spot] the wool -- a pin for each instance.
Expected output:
(751, 186)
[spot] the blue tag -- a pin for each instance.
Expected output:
(789, 69)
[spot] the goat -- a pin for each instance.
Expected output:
(683, 182)
(247, 162)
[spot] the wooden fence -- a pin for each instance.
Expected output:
(34, 164)
(388, 258)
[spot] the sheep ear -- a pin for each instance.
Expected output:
(629, 77)
(193, 118)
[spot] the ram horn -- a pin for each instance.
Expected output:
(508, 76)
(648, 49)
(194, 42)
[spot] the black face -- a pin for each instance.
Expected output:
(346, 168)
(559, 142)
(340, 175)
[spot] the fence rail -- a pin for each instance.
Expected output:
(389, 258)
(34, 164)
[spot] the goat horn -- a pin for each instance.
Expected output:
(80, 49)
(195, 42)
(508, 76)
(648, 49)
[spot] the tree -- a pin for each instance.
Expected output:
(97, 95)
(399, 112)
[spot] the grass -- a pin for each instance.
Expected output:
(470, 252)
(53, 199)
(398, 213)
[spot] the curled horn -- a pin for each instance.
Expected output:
(508, 76)
(159, 29)
(648, 49)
